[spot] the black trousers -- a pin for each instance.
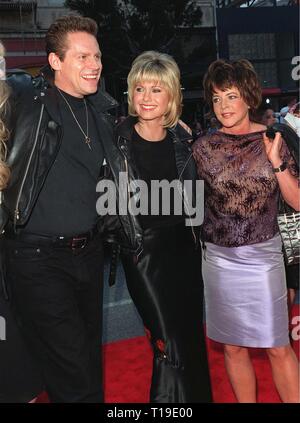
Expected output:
(167, 289)
(57, 297)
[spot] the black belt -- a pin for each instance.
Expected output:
(76, 242)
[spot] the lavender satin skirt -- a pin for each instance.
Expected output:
(245, 294)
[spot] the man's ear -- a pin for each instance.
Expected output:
(54, 61)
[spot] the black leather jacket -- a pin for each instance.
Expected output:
(35, 125)
(129, 234)
(291, 138)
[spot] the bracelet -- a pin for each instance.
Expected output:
(281, 168)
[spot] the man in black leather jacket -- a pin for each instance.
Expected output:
(60, 135)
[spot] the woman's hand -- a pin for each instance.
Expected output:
(273, 147)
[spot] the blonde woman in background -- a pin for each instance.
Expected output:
(4, 94)
(19, 380)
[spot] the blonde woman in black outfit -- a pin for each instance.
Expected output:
(164, 277)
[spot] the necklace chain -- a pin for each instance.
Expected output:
(85, 134)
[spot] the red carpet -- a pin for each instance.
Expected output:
(128, 372)
(128, 363)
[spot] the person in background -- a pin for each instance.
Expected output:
(196, 129)
(2, 63)
(20, 380)
(292, 118)
(243, 267)
(268, 117)
(284, 110)
(213, 125)
(164, 276)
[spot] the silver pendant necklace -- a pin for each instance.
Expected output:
(85, 134)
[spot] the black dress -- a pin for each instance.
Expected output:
(167, 289)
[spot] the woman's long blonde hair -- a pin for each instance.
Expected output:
(4, 133)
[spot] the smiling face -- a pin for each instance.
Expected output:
(78, 73)
(230, 109)
(268, 117)
(151, 101)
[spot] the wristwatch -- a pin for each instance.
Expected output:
(281, 168)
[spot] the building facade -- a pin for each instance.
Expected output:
(23, 25)
(266, 32)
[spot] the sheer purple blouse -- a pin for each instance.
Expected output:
(241, 190)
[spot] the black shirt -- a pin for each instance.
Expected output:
(155, 160)
(67, 202)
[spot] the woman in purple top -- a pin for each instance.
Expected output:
(243, 269)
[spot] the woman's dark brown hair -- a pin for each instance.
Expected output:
(58, 31)
(223, 74)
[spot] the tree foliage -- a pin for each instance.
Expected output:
(128, 27)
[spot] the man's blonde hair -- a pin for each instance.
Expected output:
(160, 68)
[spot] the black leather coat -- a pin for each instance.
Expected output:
(34, 122)
(291, 138)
